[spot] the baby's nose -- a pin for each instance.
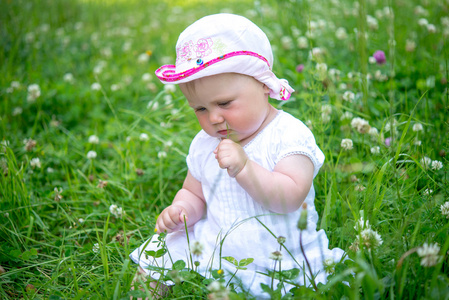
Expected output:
(216, 118)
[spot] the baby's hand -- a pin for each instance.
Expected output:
(171, 219)
(230, 156)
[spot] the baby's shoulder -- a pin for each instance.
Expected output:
(203, 143)
(289, 127)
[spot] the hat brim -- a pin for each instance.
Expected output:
(167, 73)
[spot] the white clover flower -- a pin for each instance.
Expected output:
(429, 254)
(346, 144)
(417, 142)
(144, 137)
(342, 86)
(348, 96)
(126, 46)
(143, 58)
(346, 115)
(276, 255)
(372, 22)
(15, 85)
(325, 118)
(427, 192)
(30, 37)
(50, 170)
(389, 126)
(410, 45)
(375, 150)
(445, 21)
(420, 11)
(151, 86)
(95, 86)
(430, 82)
(417, 127)
(287, 42)
(197, 248)
(326, 109)
(17, 111)
(370, 238)
(218, 291)
(431, 28)
(106, 52)
(329, 265)
(153, 105)
(162, 154)
(373, 132)
(341, 33)
(81, 220)
(359, 188)
(69, 78)
(372, 60)
(93, 139)
(96, 248)
(362, 224)
(361, 125)
(334, 73)
(379, 76)
(98, 69)
(146, 77)
(316, 52)
(115, 87)
(425, 162)
(302, 42)
(34, 92)
(35, 163)
(436, 165)
(58, 193)
(423, 22)
(321, 67)
(169, 88)
(116, 211)
(91, 154)
(445, 209)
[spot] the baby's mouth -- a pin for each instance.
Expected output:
(224, 132)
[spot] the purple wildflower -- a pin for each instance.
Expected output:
(299, 68)
(379, 55)
(388, 141)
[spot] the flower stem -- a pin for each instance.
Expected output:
(307, 262)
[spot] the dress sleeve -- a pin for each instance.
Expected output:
(201, 147)
(296, 138)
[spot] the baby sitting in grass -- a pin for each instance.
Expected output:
(250, 168)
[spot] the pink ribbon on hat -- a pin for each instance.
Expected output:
(279, 88)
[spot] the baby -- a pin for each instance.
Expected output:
(250, 168)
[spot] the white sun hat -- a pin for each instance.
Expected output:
(224, 43)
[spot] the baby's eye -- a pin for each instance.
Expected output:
(224, 104)
(200, 109)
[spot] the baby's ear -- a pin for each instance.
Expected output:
(266, 89)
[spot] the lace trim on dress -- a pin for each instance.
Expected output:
(314, 162)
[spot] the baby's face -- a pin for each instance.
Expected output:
(229, 105)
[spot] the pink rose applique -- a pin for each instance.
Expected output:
(203, 47)
(184, 52)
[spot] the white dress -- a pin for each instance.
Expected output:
(230, 226)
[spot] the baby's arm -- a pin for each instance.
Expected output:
(282, 191)
(189, 203)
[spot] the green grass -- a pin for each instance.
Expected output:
(47, 242)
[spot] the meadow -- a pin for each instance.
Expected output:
(93, 146)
